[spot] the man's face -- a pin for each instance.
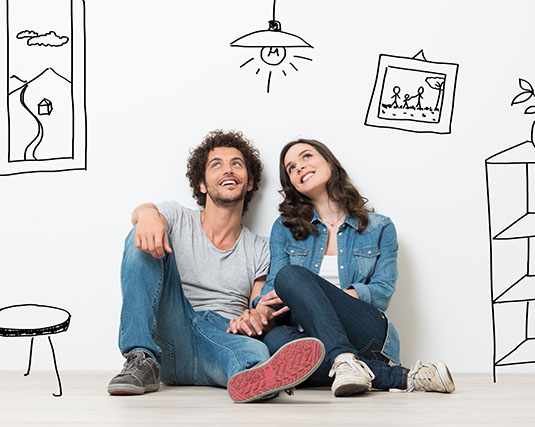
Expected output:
(226, 177)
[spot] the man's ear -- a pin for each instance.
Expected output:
(251, 184)
(202, 187)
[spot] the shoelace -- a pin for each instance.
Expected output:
(133, 360)
(421, 380)
(350, 366)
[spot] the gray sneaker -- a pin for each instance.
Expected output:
(140, 375)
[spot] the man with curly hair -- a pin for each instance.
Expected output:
(187, 274)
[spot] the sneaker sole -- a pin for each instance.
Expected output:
(131, 389)
(445, 377)
(350, 389)
(292, 364)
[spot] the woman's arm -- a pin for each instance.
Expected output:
(382, 284)
(279, 257)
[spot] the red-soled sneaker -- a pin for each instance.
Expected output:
(292, 364)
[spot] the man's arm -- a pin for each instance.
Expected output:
(151, 230)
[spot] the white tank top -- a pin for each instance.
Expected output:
(329, 269)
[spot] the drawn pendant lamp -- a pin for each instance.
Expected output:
(273, 44)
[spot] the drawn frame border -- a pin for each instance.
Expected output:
(79, 160)
(444, 125)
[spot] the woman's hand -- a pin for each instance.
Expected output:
(352, 292)
(269, 301)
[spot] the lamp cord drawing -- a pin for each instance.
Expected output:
(9, 327)
(273, 44)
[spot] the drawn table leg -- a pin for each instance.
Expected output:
(56, 367)
(30, 361)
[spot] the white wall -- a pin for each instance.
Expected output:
(161, 74)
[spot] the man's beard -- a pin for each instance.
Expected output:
(222, 201)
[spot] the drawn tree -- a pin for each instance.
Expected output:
(436, 83)
(526, 94)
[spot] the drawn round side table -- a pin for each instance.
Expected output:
(34, 320)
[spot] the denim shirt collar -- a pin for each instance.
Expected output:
(349, 220)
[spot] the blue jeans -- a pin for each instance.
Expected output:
(343, 323)
(192, 348)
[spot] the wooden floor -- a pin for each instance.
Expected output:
(477, 401)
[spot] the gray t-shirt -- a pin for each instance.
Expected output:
(213, 279)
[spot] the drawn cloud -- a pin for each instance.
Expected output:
(50, 39)
(26, 34)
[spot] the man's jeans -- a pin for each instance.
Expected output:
(343, 323)
(191, 347)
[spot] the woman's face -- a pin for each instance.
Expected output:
(307, 169)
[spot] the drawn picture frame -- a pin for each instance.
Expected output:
(413, 95)
(16, 67)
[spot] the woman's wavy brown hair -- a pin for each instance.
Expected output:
(297, 209)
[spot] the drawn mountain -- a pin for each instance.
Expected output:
(41, 117)
(15, 83)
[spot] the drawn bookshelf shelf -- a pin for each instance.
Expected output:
(522, 228)
(522, 290)
(521, 161)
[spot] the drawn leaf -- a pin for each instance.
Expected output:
(530, 110)
(521, 97)
(524, 84)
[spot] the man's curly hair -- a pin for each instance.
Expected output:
(199, 156)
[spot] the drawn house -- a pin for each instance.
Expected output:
(45, 107)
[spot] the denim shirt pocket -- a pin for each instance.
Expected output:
(296, 254)
(366, 260)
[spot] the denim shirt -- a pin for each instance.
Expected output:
(367, 262)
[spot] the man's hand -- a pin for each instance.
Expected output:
(352, 292)
(251, 323)
(151, 235)
(267, 305)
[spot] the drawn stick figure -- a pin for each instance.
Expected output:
(395, 97)
(420, 97)
(406, 101)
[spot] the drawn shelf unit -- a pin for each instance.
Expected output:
(510, 178)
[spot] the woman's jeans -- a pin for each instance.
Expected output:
(192, 348)
(343, 323)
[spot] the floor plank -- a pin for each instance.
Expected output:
(477, 401)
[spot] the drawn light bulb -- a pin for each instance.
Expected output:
(273, 44)
(273, 55)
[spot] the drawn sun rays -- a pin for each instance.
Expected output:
(273, 45)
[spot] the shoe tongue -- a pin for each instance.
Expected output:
(345, 357)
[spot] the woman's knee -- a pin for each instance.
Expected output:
(276, 338)
(289, 278)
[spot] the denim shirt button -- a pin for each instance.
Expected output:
(321, 249)
(340, 233)
(342, 267)
(316, 265)
(292, 252)
(324, 229)
(341, 250)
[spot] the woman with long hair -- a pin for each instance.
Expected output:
(333, 272)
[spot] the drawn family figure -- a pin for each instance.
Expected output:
(395, 97)
(419, 98)
(396, 90)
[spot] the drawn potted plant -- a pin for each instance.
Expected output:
(524, 96)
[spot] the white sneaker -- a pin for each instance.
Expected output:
(430, 377)
(352, 375)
